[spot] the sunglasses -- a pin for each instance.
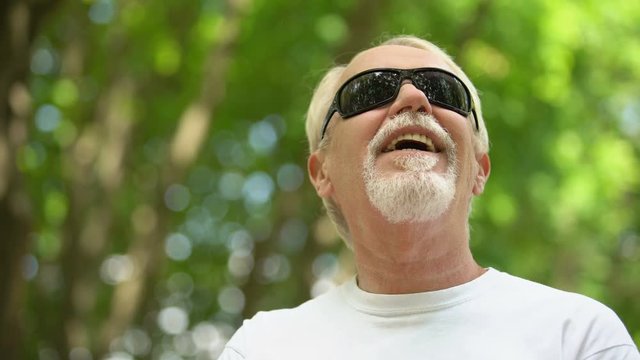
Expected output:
(376, 87)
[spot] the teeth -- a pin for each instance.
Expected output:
(415, 137)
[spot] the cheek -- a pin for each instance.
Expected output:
(468, 167)
(345, 167)
(352, 137)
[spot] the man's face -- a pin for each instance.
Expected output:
(368, 166)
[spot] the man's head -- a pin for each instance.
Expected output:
(365, 160)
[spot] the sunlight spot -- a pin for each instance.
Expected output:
(56, 207)
(240, 239)
(119, 355)
(293, 235)
(169, 355)
(65, 93)
(216, 206)
(43, 61)
(230, 185)
(80, 353)
(48, 245)
(331, 28)
(240, 263)
(136, 342)
(629, 246)
(230, 152)
(173, 320)
(47, 118)
(180, 282)
(290, 177)
(31, 156)
(116, 269)
(206, 336)
(184, 345)
(231, 300)
(630, 119)
(177, 197)
(201, 180)
(325, 266)
(30, 267)
(102, 11)
(167, 57)
(502, 209)
(258, 188)
(262, 137)
(144, 219)
(275, 268)
(177, 247)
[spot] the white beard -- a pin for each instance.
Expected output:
(418, 194)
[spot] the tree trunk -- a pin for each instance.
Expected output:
(18, 24)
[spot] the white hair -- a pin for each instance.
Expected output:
(326, 89)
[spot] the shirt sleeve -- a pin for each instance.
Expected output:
(235, 348)
(229, 353)
(622, 352)
(600, 334)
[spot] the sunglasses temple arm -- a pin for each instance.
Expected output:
(475, 119)
(325, 124)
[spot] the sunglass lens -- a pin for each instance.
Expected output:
(367, 91)
(443, 89)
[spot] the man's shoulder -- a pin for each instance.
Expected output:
(311, 311)
(536, 292)
(581, 322)
(261, 333)
(577, 314)
(546, 297)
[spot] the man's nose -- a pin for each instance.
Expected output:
(410, 98)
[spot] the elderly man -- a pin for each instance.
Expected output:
(398, 150)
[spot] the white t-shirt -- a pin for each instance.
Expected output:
(496, 316)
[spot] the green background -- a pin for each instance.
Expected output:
(157, 153)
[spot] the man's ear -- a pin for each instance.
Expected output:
(318, 175)
(482, 175)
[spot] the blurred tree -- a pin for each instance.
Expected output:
(153, 154)
(21, 21)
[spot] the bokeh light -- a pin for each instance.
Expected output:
(30, 266)
(116, 269)
(293, 235)
(136, 342)
(290, 177)
(80, 353)
(173, 320)
(274, 268)
(177, 247)
(44, 61)
(47, 118)
(230, 185)
(102, 11)
(262, 137)
(177, 197)
(231, 299)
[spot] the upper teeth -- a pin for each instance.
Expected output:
(415, 137)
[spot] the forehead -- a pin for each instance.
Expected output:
(393, 56)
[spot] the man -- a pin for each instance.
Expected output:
(398, 150)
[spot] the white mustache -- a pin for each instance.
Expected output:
(406, 119)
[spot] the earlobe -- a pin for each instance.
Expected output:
(482, 174)
(318, 175)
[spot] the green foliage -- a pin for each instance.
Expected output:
(193, 249)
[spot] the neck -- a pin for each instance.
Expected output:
(403, 259)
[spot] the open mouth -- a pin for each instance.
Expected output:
(414, 141)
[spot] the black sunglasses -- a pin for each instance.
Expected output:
(376, 87)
